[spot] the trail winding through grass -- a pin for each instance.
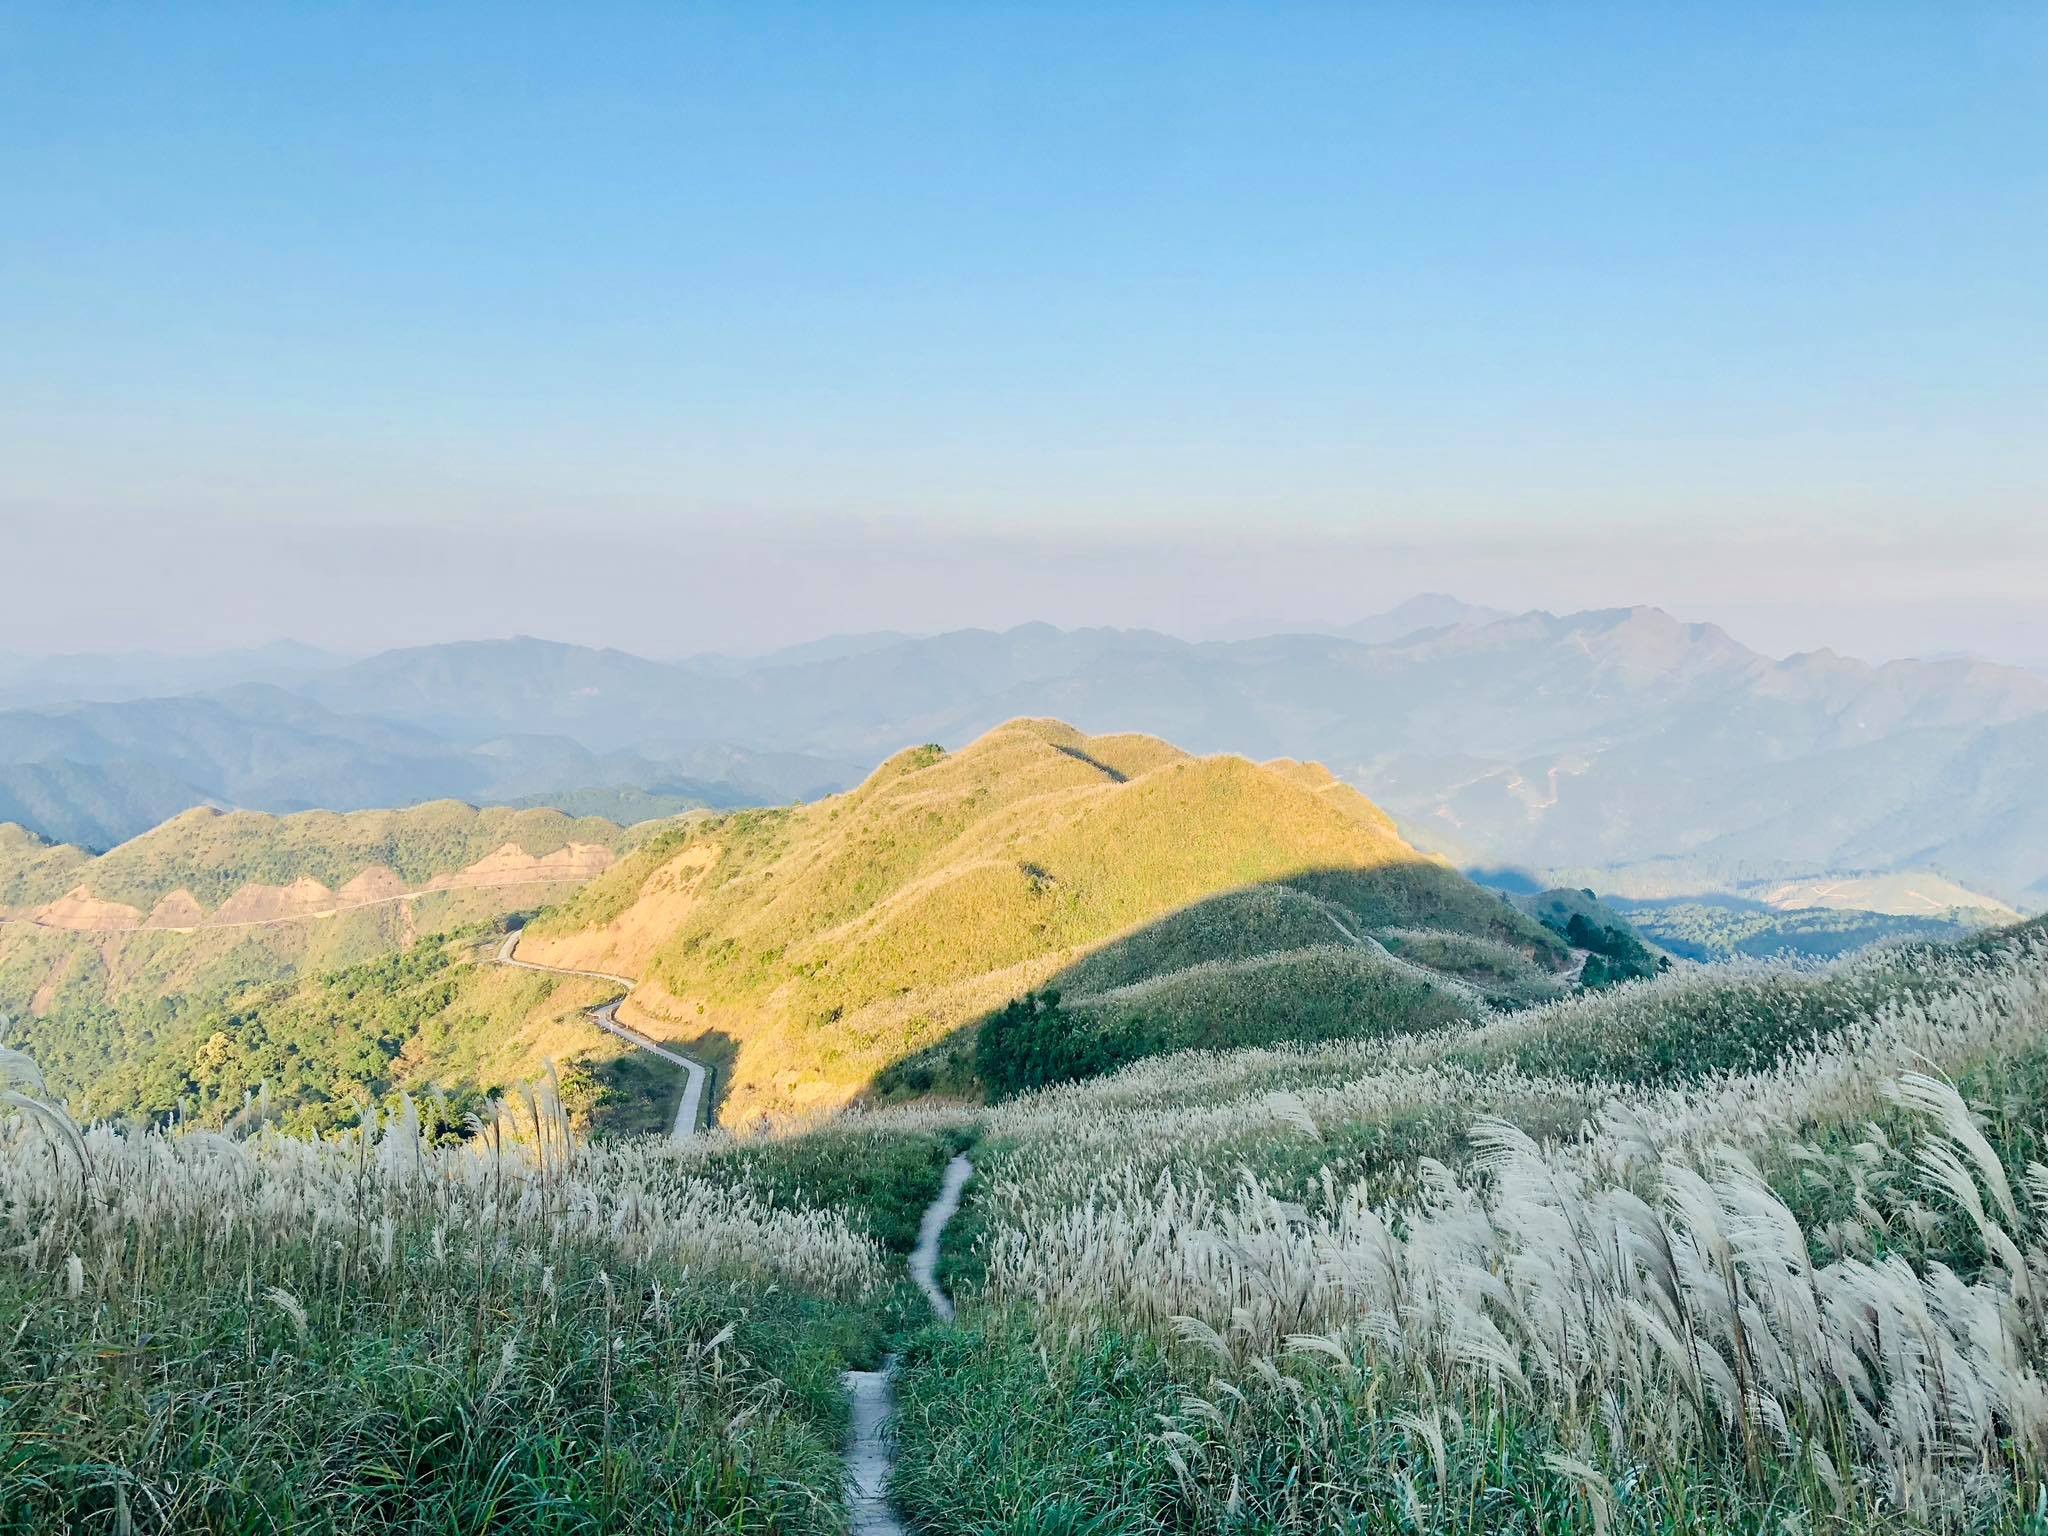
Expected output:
(606, 1017)
(870, 1455)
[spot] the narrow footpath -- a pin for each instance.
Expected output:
(870, 1453)
(606, 1017)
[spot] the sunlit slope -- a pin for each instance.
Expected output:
(823, 944)
(435, 1018)
(201, 860)
(101, 958)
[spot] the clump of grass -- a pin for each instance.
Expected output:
(879, 1176)
(376, 1333)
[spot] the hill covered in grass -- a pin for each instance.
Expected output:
(107, 962)
(1722, 928)
(210, 855)
(1739, 1248)
(861, 938)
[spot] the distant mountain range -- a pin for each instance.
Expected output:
(96, 774)
(1617, 747)
(109, 676)
(1431, 610)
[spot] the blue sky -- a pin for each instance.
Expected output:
(1738, 309)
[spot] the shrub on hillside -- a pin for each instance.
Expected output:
(1032, 1041)
(1616, 955)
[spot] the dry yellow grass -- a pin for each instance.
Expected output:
(822, 944)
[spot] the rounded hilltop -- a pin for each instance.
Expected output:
(819, 947)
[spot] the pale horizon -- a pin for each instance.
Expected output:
(244, 588)
(727, 329)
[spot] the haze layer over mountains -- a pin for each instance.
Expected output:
(1620, 747)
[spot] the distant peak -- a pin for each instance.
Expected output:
(1424, 611)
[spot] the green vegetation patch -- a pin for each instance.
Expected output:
(324, 1048)
(879, 1178)
(1712, 1021)
(1328, 993)
(438, 1398)
(1707, 932)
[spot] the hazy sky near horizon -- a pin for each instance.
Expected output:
(695, 327)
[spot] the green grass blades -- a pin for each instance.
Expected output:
(377, 1333)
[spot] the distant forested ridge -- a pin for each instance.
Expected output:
(1707, 931)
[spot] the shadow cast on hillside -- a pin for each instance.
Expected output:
(1320, 954)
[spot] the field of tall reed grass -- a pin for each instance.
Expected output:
(1755, 1248)
(1552, 1271)
(252, 1332)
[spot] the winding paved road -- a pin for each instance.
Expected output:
(606, 1017)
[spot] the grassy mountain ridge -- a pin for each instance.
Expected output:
(213, 853)
(835, 940)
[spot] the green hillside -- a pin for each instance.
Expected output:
(32, 869)
(1613, 951)
(326, 1046)
(1723, 929)
(107, 998)
(861, 938)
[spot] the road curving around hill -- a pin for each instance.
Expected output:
(606, 1017)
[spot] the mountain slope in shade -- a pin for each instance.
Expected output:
(27, 681)
(94, 804)
(475, 690)
(823, 945)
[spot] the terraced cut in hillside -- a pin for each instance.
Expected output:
(109, 964)
(211, 868)
(860, 938)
